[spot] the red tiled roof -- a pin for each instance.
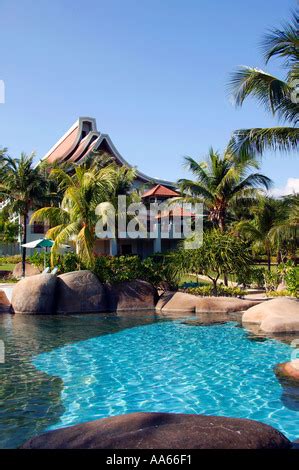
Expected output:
(175, 212)
(160, 190)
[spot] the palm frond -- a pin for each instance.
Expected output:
(283, 42)
(249, 81)
(283, 139)
(254, 180)
(53, 215)
(194, 189)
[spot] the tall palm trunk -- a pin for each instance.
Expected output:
(23, 242)
(268, 259)
(278, 256)
(221, 225)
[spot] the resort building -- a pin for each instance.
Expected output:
(81, 141)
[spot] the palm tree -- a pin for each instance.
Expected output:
(267, 215)
(9, 230)
(122, 186)
(24, 187)
(285, 232)
(278, 96)
(220, 181)
(75, 219)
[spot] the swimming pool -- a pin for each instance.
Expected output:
(122, 365)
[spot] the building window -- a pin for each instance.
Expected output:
(38, 227)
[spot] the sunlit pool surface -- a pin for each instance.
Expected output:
(66, 370)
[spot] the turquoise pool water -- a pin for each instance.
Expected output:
(175, 367)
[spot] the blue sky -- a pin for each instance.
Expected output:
(152, 72)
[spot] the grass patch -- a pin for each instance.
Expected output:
(7, 267)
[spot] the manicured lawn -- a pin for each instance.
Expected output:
(231, 277)
(192, 278)
(7, 267)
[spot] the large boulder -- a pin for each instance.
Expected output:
(181, 302)
(30, 270)
(131, 295)
(34, 295)
(283, 322)
(279, 315)
(172, 302)
(4, 303)
(288, 370)
(163, 431)
(80, 292)
(223, 305)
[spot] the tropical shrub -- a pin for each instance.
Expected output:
(282, 293)
(13, 259)
(221, 254)
(257, 277)
(117, 268)
(272, 279)
(70, 262)
(154, 269)
(207, 291)
(288, 273)
(39, 259)
(9, 231)
(166, 268)
(251, 276)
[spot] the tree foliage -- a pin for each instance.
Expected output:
(278, 96)
(221, 181)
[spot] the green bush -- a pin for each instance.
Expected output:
(292, 282)
(257, 277)
(289, 275)
(69, 262)
(165, 269)
(154, 269)
(65, 262)
(14, 259)
(207, 291)
(220, 254)
(251, 276)
(282, 293)
(117, 268)
(39, 259)
(272, 279)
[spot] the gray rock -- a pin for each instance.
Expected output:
(35, 295)
(80, 292)
(183, 302)
(163, 431)
(131, 295)
(30, 270)
(279, 315)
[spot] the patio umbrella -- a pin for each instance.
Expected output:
(42, 243)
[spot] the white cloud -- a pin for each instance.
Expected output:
(291, 187)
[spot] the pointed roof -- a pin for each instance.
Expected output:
(82, 139)
(160, 190)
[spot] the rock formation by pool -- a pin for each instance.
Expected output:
(277, 316)
(163, 431)
(80, 292)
